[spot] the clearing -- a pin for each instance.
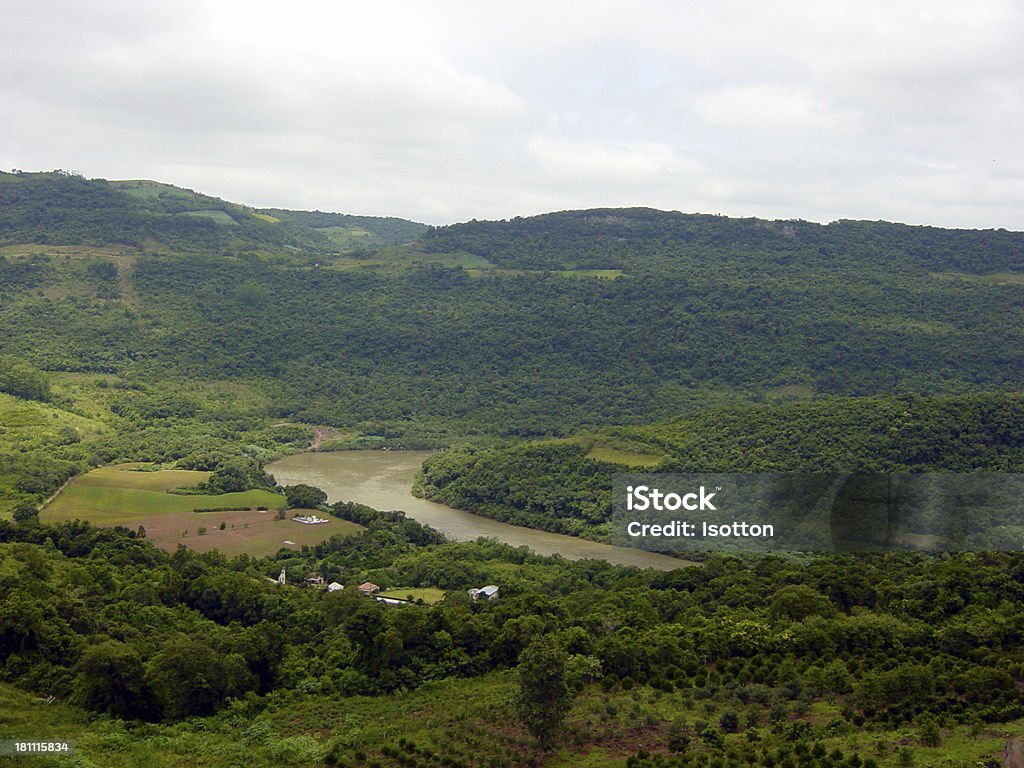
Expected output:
(129, 495)
(428, 595)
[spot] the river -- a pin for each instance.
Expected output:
(383, 480)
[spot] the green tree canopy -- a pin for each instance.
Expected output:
(544, 697)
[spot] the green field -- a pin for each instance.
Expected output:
(624, 457)
(611, 449)
(127, 495)
(998, 278)
(428, 595)
(122, 495)
(32, 429)
(218, 216)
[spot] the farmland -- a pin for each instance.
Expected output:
(130, 496)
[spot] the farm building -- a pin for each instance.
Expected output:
(490, 592)
(310, 519)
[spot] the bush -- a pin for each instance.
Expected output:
(678, 739)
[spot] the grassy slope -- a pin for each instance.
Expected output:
(28, 424)
(468, 720)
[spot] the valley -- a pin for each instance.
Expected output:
(470, 390)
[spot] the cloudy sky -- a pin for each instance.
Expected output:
(442, 111)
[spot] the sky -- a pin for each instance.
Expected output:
(443, 111)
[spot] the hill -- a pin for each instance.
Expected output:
(566, 486)
(155, 316)
(639, 238)
(533, 326)
(144, 322)
(60, 208)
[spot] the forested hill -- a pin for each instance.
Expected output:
(61, 208)
(530, 327)
(632, 238)
(561, 486)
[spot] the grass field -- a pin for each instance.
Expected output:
(218, 216)
(605, 274)
(611, 449)
(428, 595)
(245, 532)
(789, 393)
(998, 278)
(474, 270)
(124, 495)
(624, 457)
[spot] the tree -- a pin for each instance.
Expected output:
(304, 496)
(544, 697)
(188, 677)
(678, 737)
(111, 678)
(729, 722)
(798, 601)
(22, 380)
(237, 473)
(928, 732)
(26, 512)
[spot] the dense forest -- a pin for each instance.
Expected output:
(741, 660)
(408, 343)
(147, 323)
(557, 486)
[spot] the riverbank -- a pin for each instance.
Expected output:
(384, 479)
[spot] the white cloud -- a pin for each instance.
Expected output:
(771, 107)
(447, 110)
(587, 161)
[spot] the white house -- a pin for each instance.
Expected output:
(310, 519)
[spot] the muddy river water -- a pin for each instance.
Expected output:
(383, 480)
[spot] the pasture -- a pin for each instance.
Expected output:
(128, 495)
(624, 457)
(428, 595)
(611, 449)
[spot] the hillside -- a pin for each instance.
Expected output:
(186, 659)
(65, 209)
(531, 327)
(634, 238)
(172, 319)
(566, 486)
(147, 323)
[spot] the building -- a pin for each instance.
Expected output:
(490, 592)
(369, 588)
(310, 519)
